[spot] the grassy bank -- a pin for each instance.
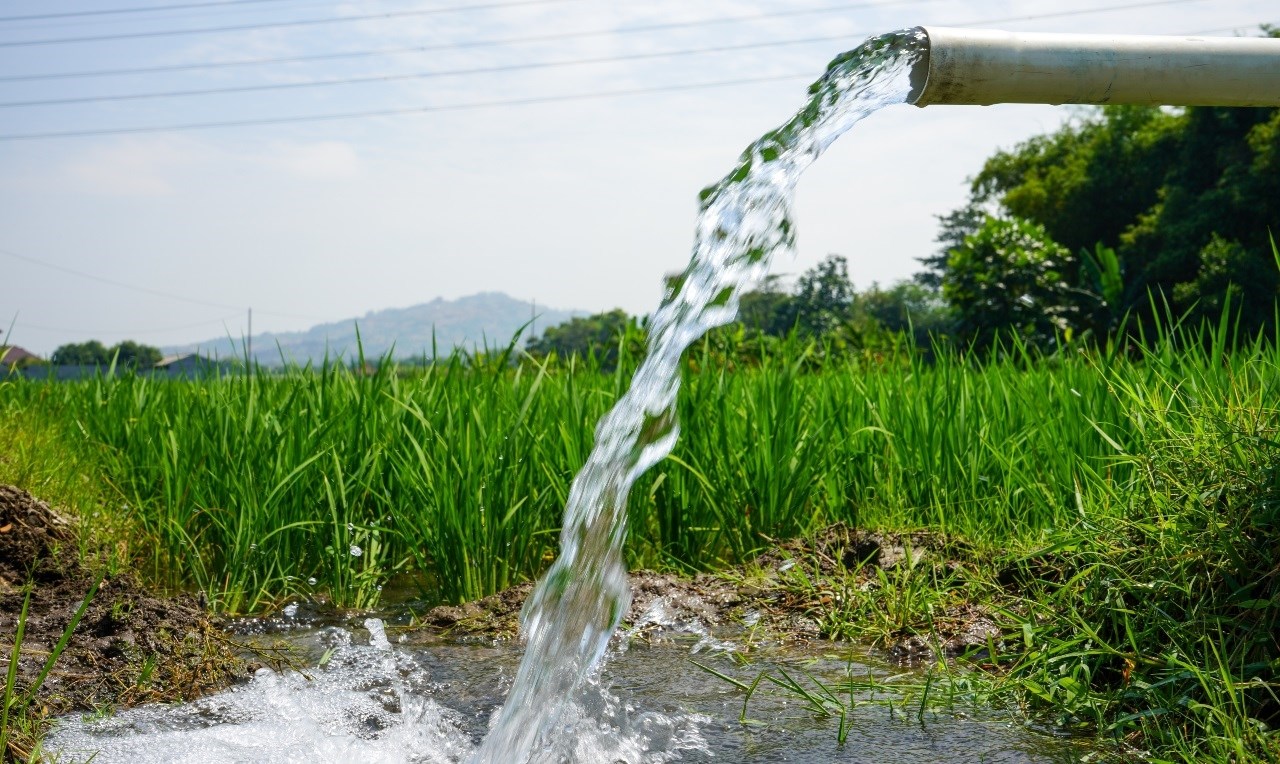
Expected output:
(1118, 512)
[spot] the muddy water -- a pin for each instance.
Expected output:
(376, 699)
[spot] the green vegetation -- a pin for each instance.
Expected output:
(1119, 512)
(20, 727)
(1184, 199)
(127, 354)
(598, 335)
(1150, 612)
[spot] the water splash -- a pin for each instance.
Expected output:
(744, 221)
(375, 703)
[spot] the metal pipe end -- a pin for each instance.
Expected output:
(920, 69)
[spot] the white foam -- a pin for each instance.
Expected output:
(367, 703)
(361, 706)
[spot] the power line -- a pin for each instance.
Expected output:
(142, 9)
(120, 284)
(533, 100)
(428, 48)
(403, 111)
(163, 14)
(142, 289)
(154, 330)
(520, 40)
(379, 78)
(420, 75)
(275, 24)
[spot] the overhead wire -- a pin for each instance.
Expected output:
(498, 42)
(420, 75)
(407, 110)
(380, 78)
(106, 332)
(168, 14)
(467, 44)
(430, 11)
(142, 289)
(136, 9)
(521, 101)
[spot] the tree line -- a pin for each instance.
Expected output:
(1096, 232)
(126, 354)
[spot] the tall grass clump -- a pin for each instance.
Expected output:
(1155, 616)
(333, 480)
(981, 448)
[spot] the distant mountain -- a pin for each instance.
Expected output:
(490, 318)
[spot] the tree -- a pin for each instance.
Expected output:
(908, 306)
(598, 335)
(768, 309)
(1010, 278)
(127, 354)
(91, 353)
(1186, 200)
(824, 297)
(135, 355)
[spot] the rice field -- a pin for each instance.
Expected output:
(253, 488)
(1121, 509)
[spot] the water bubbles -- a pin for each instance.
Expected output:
(356, 551)
(312, 581)
(377, 634)
(291, 610)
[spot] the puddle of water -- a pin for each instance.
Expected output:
(379, 701)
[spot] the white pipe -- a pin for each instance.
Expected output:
(974, 66)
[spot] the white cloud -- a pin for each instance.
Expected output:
(129, 167)
(322, 160)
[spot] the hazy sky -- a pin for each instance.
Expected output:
(580, 203)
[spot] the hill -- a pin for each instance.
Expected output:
(468, 322)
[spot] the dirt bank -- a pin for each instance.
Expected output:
(130, 646)
(797, 590)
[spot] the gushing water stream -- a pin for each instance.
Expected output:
(744, 222)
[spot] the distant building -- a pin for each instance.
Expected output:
(190, 365)
(14, 357)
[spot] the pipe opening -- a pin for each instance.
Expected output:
(920, 70)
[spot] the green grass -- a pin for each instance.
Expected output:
(1131, 497)
(247, 488)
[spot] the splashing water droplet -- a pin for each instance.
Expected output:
(356, 551)
(312, 581)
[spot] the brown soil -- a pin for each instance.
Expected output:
(130, 646)
(762, 599)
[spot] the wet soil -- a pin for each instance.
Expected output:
(133, 646)
(786, 594)
(130, 645)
